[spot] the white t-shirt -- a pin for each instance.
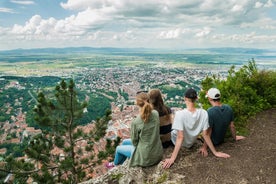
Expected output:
(192, 124)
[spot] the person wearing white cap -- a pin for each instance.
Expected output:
(221, 117)
(188, 124)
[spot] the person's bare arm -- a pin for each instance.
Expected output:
(179, 140)
(233, 132)
(211, 146)
(203, 150)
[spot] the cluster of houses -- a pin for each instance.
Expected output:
(128, 79)
(118, 126)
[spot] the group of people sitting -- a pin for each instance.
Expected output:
(155, 129)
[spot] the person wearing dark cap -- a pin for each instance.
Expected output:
(188, 124)
(221, 117)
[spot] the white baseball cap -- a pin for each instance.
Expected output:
(213, 93)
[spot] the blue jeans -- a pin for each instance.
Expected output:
(123, 152)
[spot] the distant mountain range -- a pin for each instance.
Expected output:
(76, 50)
(225, 50)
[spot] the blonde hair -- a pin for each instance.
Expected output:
(142, 100)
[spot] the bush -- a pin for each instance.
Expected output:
(246, 90)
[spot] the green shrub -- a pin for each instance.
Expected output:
(247, 90)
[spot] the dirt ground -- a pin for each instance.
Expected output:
(252, 160)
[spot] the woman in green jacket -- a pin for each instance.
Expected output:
(145, 148)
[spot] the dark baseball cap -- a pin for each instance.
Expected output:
(190, 93)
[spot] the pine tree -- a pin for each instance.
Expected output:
(55, 155)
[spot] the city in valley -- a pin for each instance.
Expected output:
(106, 81)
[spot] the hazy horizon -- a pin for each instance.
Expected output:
(141, 49)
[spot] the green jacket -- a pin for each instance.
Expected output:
(146, 140)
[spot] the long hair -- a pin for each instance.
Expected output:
(157, 101)
(142, 100)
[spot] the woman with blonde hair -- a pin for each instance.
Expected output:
(145, 148)
(165, 117)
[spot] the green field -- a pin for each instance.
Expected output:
(59, 62)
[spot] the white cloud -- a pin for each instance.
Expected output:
(261, 25)
(245, 39)
(125, 22)
(170, 12)
(93, 18)
(115, 37)
(171, 34)
(268, 27)
(30, 27)
(128, 35)
(258, 4)
(203, 32)
(73, 25)
(23, 2)
(6, 10)
(237, 8)
(269, 4)
(80, 4)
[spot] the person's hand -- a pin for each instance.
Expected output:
(203, 151)
(222, 155)
(239, 137)
(167, 163)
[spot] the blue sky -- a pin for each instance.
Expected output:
(172, 24)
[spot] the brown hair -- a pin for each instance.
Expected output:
(142, 100)
(157, 101)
